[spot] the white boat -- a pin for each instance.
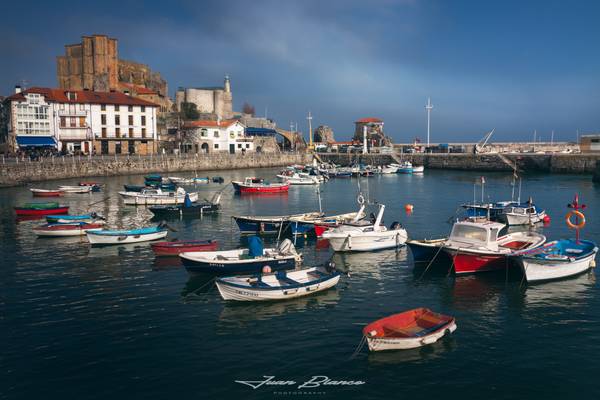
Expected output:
(281, 285)
(523, 214)
(558, 259)
(418, 169)
(188, 181)
(298, 179)
(63, 230)
(75, 189)
(106, 237)
(157, 196)
(366, 235)
(390, 169)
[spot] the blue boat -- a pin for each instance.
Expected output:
(424, 251)
(69, 219)
(268, 224)
(255, 259)
(107, 237)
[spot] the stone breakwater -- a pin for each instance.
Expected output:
(550, 163)
(23, 172)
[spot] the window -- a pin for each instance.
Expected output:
(239, 145)
(118, 149)
(143, 108)
(130, 120)
(63, 122)
(82, 107)
(103, 119)
(216, 134)
(117, 132)
(73, 122)
(247, 145)
(216, 145)
(62, 106)
(130, 132)
(71, 95)
(143, 120)
(131, 147)
(102, 107)
(82, 122)
(117, 120)
(143, 132)
(103, 134)
(203, 133)
(116, 107)
(130, 108)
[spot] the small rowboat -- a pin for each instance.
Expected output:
(257, 185)
(41, 209)
(107, 237)
(96, 186)
(281, 285)
(73, 229)
(46, 192)
(177, 247)
(70, 219)
(75, 189)
(187, 209)
(408, 330)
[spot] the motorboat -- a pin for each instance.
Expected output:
(366, 235)
(281, 285)
(408, 330)
(269, 224)
(249, 260)
(389, 169)
(521, 214)
(188, 209)
(258, 185)
(43, 208)
(70, 219)
(307, 224)
(296, 178)
(158, 196)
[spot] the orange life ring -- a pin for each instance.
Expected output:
(579, 215)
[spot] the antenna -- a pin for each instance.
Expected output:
(428, 107)
(310, 134)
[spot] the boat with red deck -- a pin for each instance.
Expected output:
(259, 185)
(480, 246)
(176, 247)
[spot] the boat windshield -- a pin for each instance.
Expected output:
(469, 232)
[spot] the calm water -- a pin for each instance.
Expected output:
(115, 322)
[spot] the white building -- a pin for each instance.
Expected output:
(216, 136)
(79, 121)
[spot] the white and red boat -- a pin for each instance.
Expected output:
(258, 185)
(61, 230)
(46, 192)
(479, 246)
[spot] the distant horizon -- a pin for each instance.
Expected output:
(516, 67)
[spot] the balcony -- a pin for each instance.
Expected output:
(72, 113)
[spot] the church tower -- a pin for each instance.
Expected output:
(227, 99)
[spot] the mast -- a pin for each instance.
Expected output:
(428, 107)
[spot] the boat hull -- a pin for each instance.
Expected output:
(40, 211)
(65, 230)
(383, 344)
(97, 239)
(470, 263)
(425, 250)
(366, 241)
(251, 266)
(249, 226)
(141, 200)
(541, 271)
(176, 248)
(274, 188)
(178, 211)
(46, 193)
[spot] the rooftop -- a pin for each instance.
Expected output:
(82, 96)
(209, 123)
(367, 120)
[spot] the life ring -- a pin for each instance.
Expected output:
(579, 215)
(360, 199)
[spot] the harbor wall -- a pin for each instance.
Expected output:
(15, 173)
(549, 163)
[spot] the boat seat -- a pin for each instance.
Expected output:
(282, 277)
(317, 274)
(258, 282)
(574, 251)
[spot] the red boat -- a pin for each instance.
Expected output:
(258, 185)
(41, 211)
(46, 193)
(174, 248)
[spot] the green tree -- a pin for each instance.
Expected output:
(189, 111)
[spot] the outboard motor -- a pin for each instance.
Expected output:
(287, 247)
(395, 226)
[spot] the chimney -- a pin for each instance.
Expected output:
(17, 89)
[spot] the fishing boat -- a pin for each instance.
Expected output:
(268, 224)
(72, 229)
(418, 169)
(480, 246)
(177, 247)
(522, 214)
(298, 179)
(47, 208)
(96, 186)
(188, 209)
(389, 169)
(425, 250)
(108, 237)
(405, 167)
(307, 224)
(366, 235)
(408, 330)
(75, 189)
(189, 181)
(258, 185)
(490, 211)
(280, 285)
(560, 258)
(70, 219)
(157, 196)
(249, 260)
(47, 192)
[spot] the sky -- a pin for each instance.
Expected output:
(516, 66)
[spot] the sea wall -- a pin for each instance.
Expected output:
(18, 173)
(550, 163)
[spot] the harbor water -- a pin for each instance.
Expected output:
(116, 322)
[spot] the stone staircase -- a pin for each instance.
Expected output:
(508, 162)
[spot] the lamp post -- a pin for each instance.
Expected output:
(310, 134)
(428, 107)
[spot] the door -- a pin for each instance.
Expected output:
(86, 147)
(232, 149)
(131, 147)
(104, 147)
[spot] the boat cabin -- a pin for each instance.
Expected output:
(253, 181)
(477, 234)
(521, 210)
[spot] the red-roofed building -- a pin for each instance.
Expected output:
(209, 136)
(80, 121)
(374, 130)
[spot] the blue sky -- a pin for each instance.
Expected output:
(511, 65)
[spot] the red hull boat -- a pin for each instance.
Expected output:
(39, 211)
(257, 185)
(46, 193)
(174, 248)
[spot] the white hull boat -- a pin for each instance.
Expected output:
(65, 230)
(282, 285)
(157, 196)
(419, 169)
(366, 236)
(107, 237)
(390, 169)
(521, 215)
(75, 189)
(298, 179)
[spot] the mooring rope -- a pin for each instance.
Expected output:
(358, 349)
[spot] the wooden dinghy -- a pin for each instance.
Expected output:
(408, 330)
(281, 285)
(46, 192)
(63, 230)
(177, 247)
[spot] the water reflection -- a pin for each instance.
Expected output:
(421, 354)
(564, 292)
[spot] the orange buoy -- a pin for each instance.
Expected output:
(266, 269)
(579, 215)
(408, 208)
(546, 219)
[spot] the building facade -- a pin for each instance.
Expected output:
(375, 134)
(80, 121)
(211, 102)
(208, 136)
